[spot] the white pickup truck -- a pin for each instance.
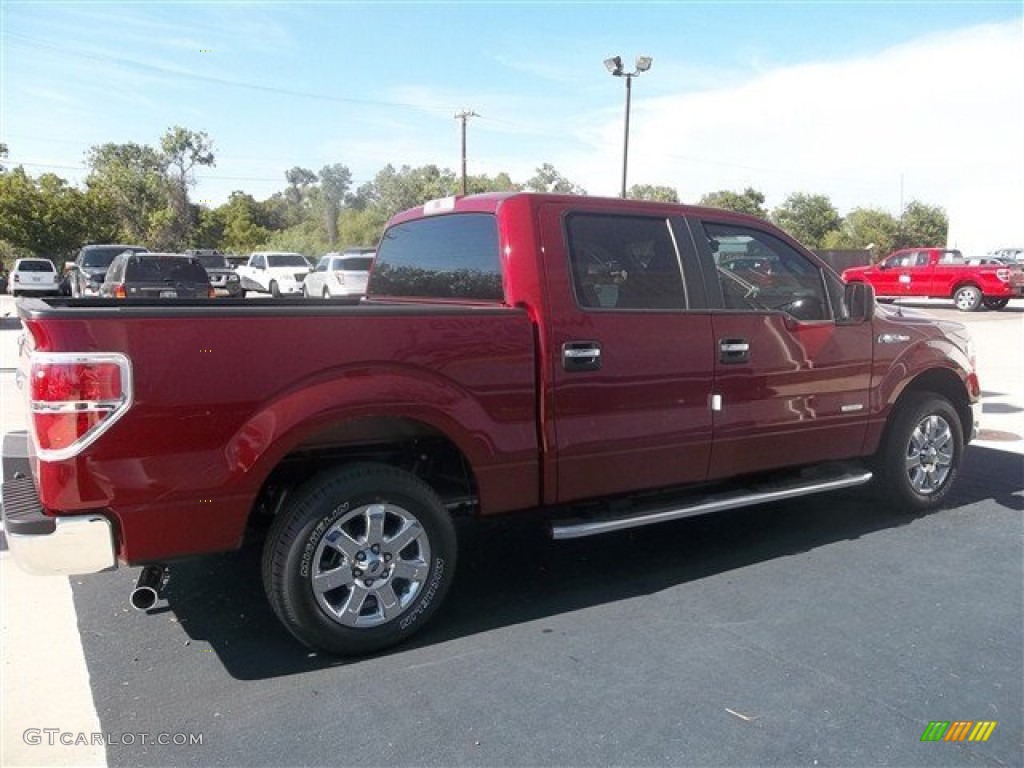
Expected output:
(274, 272)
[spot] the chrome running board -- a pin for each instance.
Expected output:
(578, 528)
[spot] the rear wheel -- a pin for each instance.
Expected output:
(274, 290)
(995, 303)
(967, 298)
(921, 456)
(360, 560)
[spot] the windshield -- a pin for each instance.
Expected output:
(287, 260)
(101, 257)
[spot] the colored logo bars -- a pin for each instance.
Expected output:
(958, 730)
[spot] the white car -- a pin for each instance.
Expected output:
(278, 273)
(38, 276)
(340, 274)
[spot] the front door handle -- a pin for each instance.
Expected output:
(734, 351)
(581, 356)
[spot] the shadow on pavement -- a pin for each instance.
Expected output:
(509, 572)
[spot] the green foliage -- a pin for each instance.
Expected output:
(335, 181)
(131, 179)
(241, 232)
(182, 151)
(361, 226)
(748, 201)
(869, 228)
(547, 179)
(808, 218)
(655, 193)
(46, 216)
(923, 226)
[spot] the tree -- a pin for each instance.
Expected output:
(656, 193)
(241, 232)
(547, 179)
(130, 179)
(748, 201)
(335, 181)
(3, 156)
(182, 150)
(392, 191)
(484, 183)
(808, 218)
(870, 228)
(46, 216)
(922, 225)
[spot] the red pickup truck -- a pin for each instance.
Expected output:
(940, 273)
(606, 363)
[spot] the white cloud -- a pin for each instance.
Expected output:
(943, 114)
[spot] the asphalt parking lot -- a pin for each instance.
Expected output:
(824, 631)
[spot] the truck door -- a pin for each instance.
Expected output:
(628, 353)
(791, 379)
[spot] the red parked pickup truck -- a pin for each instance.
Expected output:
(939, 273)
(606, 363)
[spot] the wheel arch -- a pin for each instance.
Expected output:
(940, 381)
(407, 418)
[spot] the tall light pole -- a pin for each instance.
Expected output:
(614, 65)
(464, 115)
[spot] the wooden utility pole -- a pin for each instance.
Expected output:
(464, 115)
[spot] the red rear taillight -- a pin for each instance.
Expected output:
(119, 292)
(74, 398)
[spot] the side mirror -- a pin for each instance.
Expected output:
(882, 266)
(68, 266)
(859, 299)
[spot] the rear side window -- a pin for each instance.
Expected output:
(165, 269)
(447, 257)
(624, 262)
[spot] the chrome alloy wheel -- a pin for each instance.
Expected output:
(370, 565)
(929, 454)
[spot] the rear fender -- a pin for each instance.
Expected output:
(502, 451)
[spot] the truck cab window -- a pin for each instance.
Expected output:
(758, 271)
(624, 262)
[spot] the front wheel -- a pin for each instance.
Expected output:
(360, 560)
(920, 459)
(967, 298)
(995, 303)
(274, 290)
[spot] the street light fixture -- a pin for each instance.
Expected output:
(614, 66)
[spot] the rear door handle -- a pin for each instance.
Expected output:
(734, 351)
(581, 356)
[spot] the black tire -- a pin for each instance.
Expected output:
(995, 304)
(274, 290)
(341, 529)
(919, 462)
(967, 298)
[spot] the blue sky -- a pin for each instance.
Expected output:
(870, 103)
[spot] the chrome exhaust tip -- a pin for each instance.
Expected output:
(147, 589)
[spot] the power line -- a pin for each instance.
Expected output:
(30, 42)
